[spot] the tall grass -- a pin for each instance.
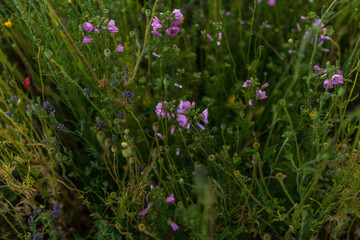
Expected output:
(244, 125)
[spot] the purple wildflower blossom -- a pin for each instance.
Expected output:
(159, 109)
(121, 115)
(204, 116)
(261, 94)
(128, 94)
(156, 24)
(86, 40)
(183, 121)
(120, 48)
(178, 16)
(155, 33)
(61, 127)
(100, 123)
(88, 26)
(271, 3)
(173, 31)
(317, 68)
(174, 226)
(143, 212)
(171, 199)
(56, 211)
(201, 126)
(111, 27)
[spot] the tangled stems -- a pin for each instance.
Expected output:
(145, 44)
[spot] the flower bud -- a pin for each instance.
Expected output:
(108, 142)
(116, 121)
(100, 135)
(29, 112)
(114, 148)
(155, 126)
(282, 102)
(107, 52)
(141, 227)
(148, 13)
(313, 115)
(48, 54)
(59, 157)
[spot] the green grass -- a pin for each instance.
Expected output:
(282, 167)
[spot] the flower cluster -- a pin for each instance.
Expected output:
(171, 200)
(111, 27)
(172, 30)
(260, 93)
(311, 32)
(185, 114)
(332, 74)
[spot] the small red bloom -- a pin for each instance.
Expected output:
(27, 82)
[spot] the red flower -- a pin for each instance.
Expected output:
(27, 82)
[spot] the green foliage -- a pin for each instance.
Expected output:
(96, 137)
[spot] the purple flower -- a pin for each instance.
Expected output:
(250, 103)
(159, 135)
(86, 40)
(246, 84)
(271, 3)
(97, 30)
(337, 78)
(14, 98)
(266, 85)
(201, 126)
(111, 27)
(86, 91)
(155, 55)
(172, 130)
(209, 37)
(298, 26)
(61, 127)
(171, 199)
(159, 110)
(326, 50)
(100, 123)
(177, 152)
(177, 85)
(128, 94)
(174, 226)
(173, 31)
(143, 212)
(184, 106)
(261, 94)
(156, 24)
(88, 26)
(324, 37)
(48, 105)
(317, 68)
(56, 211)
(204, 116)
(120, 48)
(328, 84)
(10, 115)
(155, 33)
(182, 119)
(220, 35)
(121, 115)
(178, 16)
